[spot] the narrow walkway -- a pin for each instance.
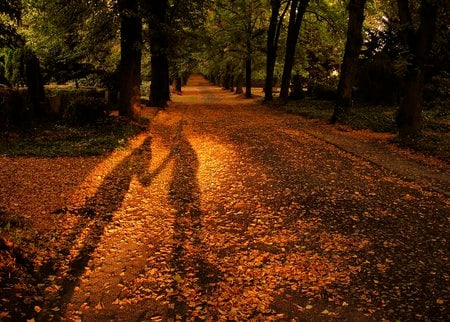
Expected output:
(429, 172)
(227, 210)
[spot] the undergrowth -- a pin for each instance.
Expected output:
(62, 140)
(381, 118)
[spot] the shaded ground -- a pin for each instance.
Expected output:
(229, 210)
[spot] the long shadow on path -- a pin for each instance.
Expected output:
(192, 271)
(95, 215)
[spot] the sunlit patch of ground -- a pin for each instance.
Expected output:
(226, 210)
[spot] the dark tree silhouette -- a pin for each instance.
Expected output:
(418, 44)
(156, 12)
(130, 59)
(273, 35)
(351, 56)
(298, 9)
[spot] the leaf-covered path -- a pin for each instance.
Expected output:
(228, 210)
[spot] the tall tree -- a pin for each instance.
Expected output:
(254, 29)
(130, 59)
(418, 43)
(238, 27)
(351, 56)
(186, 20)
(273, 36)
(156, 13)
(297, 11)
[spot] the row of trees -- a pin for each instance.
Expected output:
(405, 32)
(110, 42)
(234, 42)
(416, 40)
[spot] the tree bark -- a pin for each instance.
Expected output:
(178, 84)
(248, 77)
(159, 44)
(418, 44)
(298, 9)
(226, 79)
(130, 59)
(273, 35)
(239, 83)
(248, 60)
(159, 86)
(349, 67)
(35, 84)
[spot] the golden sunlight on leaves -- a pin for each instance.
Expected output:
(222, 210)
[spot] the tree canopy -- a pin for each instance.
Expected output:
(235, 42)
(10, 13)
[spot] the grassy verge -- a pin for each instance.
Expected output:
(435, 139)
(59, 140)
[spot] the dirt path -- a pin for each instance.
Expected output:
(227, 210)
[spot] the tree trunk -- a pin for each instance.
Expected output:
(248, 77)
(130, 59)
(418, 43)
(273, 35)
(271, 50)
(249, 49)
(239, 83)
(298, 9)
(178, 84)
(409, 114)
(35, 84)
(160, 82)
(226, 81)
(349, 67)
(159, 44)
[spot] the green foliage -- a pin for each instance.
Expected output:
(236, 31)
(322, 43)
(10, 12)
(72, 39)
(58, 140)
(310, 108)
(380, 118)
(79, 40)
(16, 64)
(11, 8)
(187, 35)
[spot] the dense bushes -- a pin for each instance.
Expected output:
(73, 107)
(85, 110)
(15, 108)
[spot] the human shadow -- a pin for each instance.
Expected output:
(95, 215)
(188, 260)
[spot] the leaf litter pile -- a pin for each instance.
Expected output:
(223, 210)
